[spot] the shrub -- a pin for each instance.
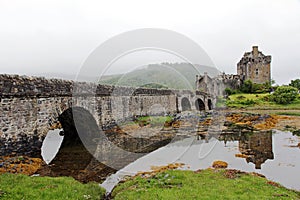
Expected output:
(255, 88)
(284, 94)
(229, 91)
(295, 83)
(247, 86)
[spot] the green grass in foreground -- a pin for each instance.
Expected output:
(257, 101)
(207, 184)
(15, 187)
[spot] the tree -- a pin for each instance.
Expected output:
(229, 91)
(295, 83)
(272, 82)
(255, 88)
(284, 94)
(247, 87)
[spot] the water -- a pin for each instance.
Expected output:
(273, 155)
(51, 145)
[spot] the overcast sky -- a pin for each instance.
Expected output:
(40, 37)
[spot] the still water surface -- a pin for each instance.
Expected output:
(274, 155)
(283, 166)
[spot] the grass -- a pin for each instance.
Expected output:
(154, 120)
(24, 187)
(149, 120)
(257, 101)
(207, 184)
(245, 100)
(288, 113)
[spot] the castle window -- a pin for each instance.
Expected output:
(258, 142)
(256, 71)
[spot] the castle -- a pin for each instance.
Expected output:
(254, 66)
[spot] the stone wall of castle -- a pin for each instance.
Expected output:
(217, 85)
(255, 66)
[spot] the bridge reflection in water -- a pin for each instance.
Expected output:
(78, 155)
(77, 159)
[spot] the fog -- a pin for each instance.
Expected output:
(54, 38)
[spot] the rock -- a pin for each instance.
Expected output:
(19, 164)
(219, 164)
(241, 156)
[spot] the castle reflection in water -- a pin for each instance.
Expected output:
(255, 147)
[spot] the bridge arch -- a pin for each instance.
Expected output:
(199, 104)
(72, 147)
(78, 124)
(185, 104)
(209, 104)
(75, 155)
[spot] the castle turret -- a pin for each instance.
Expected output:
(255, 66)
(255, 51)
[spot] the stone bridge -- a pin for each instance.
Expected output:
(31, 106)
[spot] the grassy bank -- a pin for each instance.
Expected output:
(206, 184)
(259, 101)
(24, 187)
(149, 120)
(154, 120)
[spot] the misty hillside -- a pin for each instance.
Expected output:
(164, 75)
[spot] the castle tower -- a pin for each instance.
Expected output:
(255, 66)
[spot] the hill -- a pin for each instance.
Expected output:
(164, 75)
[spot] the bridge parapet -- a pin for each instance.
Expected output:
(25, 86)
(30, 106)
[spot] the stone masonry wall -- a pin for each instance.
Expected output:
(30, 106)
(255, 66)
